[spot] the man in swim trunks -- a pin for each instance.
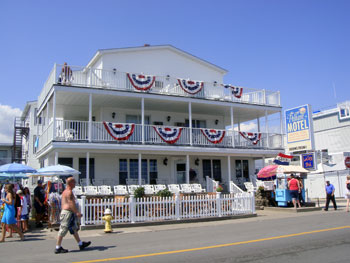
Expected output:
(69, 216)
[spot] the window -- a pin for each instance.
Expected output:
(3, 154)
(159, 123)
(242, 170)
(159, 84)
(82, 168)
(212, 168)
(66, 161)
(123, 171)
(144, 170)
(196, 123)
(134, 168)
(136, 119)
(153, 171)
(344, 111)
(35, 143)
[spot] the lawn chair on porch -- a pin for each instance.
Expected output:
(159, 187)
(174, 188)
(186, 188)
(132, 188)
(120, 190)
(250, 187)
(149, 189)
(197, 188)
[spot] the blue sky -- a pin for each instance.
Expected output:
(299, 47)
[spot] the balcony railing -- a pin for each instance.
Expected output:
(166, 85)
(78, 131)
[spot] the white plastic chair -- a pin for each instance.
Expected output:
(186, 188)
(174, 188)
(149, 189)
(105, 190)
(197, 188)
(78, 190)
(159, 187)
(132, 188)
(120, 190)
(250, 187)
(91, 190)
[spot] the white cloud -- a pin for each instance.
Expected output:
(7, 118)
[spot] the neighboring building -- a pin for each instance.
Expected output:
(5, 153)
(156, 126)
(332, 144)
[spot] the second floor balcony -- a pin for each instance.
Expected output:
(163, 85)
(70, 131)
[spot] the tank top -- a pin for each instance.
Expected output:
(293, 184)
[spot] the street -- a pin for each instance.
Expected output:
(271, 237)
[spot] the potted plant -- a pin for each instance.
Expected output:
(219, 189)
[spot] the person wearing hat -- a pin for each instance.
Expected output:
(330, 195)
(23, 211)
(39, 199)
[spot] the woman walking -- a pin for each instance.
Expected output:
(8, 218)
(347, 195)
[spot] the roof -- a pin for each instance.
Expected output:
(27, 107)
(101, 52)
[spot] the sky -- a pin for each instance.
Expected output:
(299, 47)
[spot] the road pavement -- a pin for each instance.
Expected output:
(271, 237)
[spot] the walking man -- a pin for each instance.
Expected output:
(39, 199)
(69, 216)
(330, 195)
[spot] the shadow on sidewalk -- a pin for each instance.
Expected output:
(94, 248)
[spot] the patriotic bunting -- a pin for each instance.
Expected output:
(190, 86)
(250, 136)
(168, 134)
(119, 131)
(141, 82)
(283, 159)
(214, 136)
(236, 91)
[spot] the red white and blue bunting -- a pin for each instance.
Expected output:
(254, 137)
(190, 86)
(119, 131)
(168, 134)
(236, 91)
(213, 136)
(141, 82)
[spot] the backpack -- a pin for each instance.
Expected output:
(348, 186)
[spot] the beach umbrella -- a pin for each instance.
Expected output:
(56, 170)
(16, 168)
(268, 172)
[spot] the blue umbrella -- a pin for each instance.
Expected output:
(57, 170)
(16, 168)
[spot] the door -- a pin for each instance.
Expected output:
(181, 173)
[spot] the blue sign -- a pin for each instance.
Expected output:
(299, 129)
(309, 161)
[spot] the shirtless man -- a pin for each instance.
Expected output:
(68, 218)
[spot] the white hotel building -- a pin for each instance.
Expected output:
(147, 115)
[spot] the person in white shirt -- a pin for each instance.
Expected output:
(23, 211)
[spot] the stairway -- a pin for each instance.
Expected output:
(20, 131)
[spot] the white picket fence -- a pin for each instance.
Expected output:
(150, 209)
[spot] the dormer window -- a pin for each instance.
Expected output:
(344, 110)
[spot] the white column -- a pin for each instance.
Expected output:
(190, 120)
(267, 130)
(90, 117)
(187, 169)
(54, 116)
(233, 128)
(143, 120)
(56, 158)
(47, 114)
(87, 168)
(140, 171)
(258, 121)
(239, 136)
(264, 161)
(229, 169)
(281, 124)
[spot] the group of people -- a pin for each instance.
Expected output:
(295, 186)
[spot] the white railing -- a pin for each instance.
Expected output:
(78, 131)
(116, 80)
(148, 209)
(235, 188)
(211, 185)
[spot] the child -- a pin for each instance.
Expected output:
(23, 211)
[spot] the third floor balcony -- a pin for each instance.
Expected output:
(163, 85)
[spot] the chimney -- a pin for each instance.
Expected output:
(146, 45)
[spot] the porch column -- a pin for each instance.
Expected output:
(143, 120)
(139, 170)
(233, 128)
(187, 169)
(190, 120)
(90, 117)
(47, 113)
(229, 170)
(281, 124)
(54, 116)
(87, 168)
(267, 130)
(263, 160)
(56, 158)
(258, 122)
(239, 130)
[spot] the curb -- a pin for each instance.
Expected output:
(293, 210)
(168, 222)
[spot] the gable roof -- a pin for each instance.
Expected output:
(101, 52)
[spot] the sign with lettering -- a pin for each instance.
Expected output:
(299, 129)
(309, 161)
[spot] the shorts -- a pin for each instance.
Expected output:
(68, 223)
(294, 194)
(39, 209)
(24, 217)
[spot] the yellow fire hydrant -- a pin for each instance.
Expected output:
(108, 218)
